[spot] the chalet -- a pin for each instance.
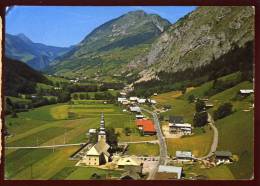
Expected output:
(130, 175)
(121, 99)
(139, 116)
(92, 131)
(246, 91)
(177, 126)
(168, 172)
(133, 98)
(141, 100)
(130, 163)
(209, 104)
(223, 157)
(98, 153)
(184, 155)
(135, 109)
(146, 126)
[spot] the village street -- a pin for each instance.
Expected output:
(162, 144)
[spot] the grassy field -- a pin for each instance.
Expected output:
(50, 125)
(143, 149)
(179, 107)
(236, 135)
(199, 144)
(235, 131)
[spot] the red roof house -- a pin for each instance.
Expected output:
(146, 126)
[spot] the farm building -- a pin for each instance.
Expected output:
(146, 126)
(184, 155)
(168, 172)
(120, 100)
(139, 116)
(176, 125)
(135, 109)
(246, 91)
(130, 175)
(92, 131)
(141, 100)
(130, 163)
(223, 157)
(98, 154)
(209, 104)
(133, 98)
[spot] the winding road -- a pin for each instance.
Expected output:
(214, 144)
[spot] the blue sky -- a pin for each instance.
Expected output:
(65, 26)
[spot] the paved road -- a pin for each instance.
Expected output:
(134, 142)
(162, 144)
(46, 146)
(214, 144)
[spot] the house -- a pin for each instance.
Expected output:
(92, 131)
(126, 102)
(139, 116)
(135, 109)
(98, 153)
(121, 99)
(130, 175)
(184, 155)
(209, 104)
(177, 126)
(123, 94)
(130, 163)
(168, 172)
(133, 98)
(151, 101)
(246, 91)
(146, 126)
(155, 94)
(141, 100)
(223, 157)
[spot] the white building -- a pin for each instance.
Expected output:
(141, 100)
(135, 109)
(133, 98)
(171, 169)
(184, 155)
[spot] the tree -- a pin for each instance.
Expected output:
(200, 119)
(112, 138)
(200, 106)
(82, 96)
(75, 96)
(191, 98)
(14, 115)
(223, 111)
(127, 131)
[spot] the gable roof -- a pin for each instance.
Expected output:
(129, 161)
(176, 119)
(147, 125)
(99, 148)
(130, 175)
(223, 153)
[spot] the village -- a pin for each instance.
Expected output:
(163, 167)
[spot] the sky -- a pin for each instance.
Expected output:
(65, 26)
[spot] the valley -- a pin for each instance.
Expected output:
(137, 98)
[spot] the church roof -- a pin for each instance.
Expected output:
(99, 148)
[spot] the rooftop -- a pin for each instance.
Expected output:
(170, 169)
(223, 153)
(183, 154)
(147, 125)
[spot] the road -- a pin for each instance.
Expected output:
(46, 146)
(162, 144)
(135, 142)
(214, 144)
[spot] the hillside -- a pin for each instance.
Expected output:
(199, 38)
(20, 78)
(110, 47)
(36, 55)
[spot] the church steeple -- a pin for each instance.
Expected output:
(102, 132)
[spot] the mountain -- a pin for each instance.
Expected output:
(19, 77)
(36, 55)
(198, 39)
(109, 47)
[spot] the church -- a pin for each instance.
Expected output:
(98, 154)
